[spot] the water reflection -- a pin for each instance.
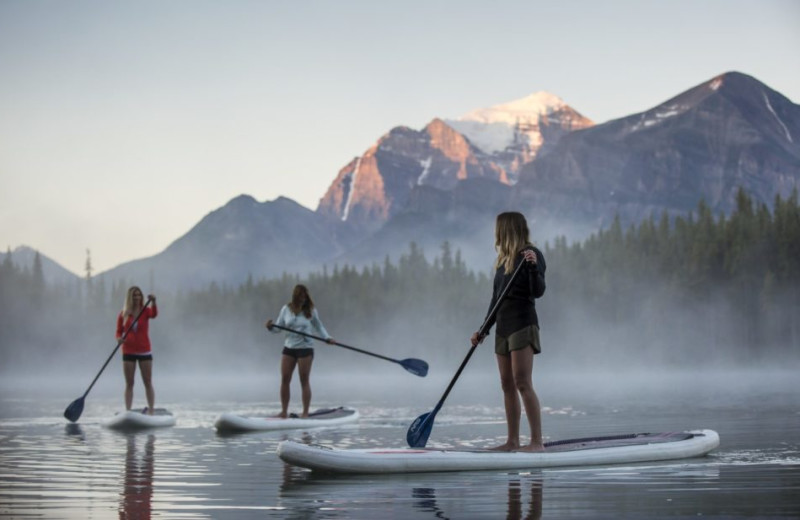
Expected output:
(137, 492)
(75, 430)
(425, 500)
(520, 489)
(293, 479)
(516, 498)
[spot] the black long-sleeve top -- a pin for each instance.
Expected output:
(518, 309)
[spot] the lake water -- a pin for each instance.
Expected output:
(52, 469)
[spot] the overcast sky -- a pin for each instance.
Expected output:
(122, 124)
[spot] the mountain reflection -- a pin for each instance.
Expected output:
(137, 491)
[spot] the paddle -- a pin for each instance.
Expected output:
(75, 409)
(420, 429)
(415, 366)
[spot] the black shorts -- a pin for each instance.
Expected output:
(298, 353)
(137, 357)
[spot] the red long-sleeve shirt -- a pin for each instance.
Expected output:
(137, 341)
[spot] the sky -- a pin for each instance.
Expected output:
(122, 124)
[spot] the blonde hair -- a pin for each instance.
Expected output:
(127, 308)
(301, 301)
(511, 236)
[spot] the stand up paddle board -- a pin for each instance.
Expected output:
(231, 423)
(616, 449)
(133, 420)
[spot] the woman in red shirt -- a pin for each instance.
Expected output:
(136, 344)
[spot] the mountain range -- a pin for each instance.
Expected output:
(537, 155)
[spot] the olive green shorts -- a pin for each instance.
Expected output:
(529, 336)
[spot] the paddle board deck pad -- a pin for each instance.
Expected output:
(231, 423)
(133, 420)
(617, 449)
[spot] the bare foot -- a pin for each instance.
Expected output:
(508, 446)
(304, 415)
(532, 448)
(281, 415)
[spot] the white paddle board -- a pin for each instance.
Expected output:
(232, 423)
(616, 449)
(133, 420)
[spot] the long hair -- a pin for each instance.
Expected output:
(511, 236)
(301, 301)
(127, 309)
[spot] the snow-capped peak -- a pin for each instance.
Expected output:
(515, 123)
(524, 110)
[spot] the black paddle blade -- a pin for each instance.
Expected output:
(420, 430)
(415, 366)
(74, 410)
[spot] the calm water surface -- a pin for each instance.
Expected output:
(51, 469)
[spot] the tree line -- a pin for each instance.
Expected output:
(672, 290)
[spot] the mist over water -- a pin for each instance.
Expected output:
(629, 354)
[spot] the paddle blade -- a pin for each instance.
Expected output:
(420, 430)
(74, 410)
(415, 366)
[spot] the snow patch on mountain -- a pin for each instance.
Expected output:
(351, 189)
(780, 122)
(657, 116)
(426, 168)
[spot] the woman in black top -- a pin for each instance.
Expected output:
(517, 334)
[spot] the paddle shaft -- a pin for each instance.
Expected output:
(287, 329)
(481, 333)
(121, 340)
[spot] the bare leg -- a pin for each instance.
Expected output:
(146, 367)
(304, 371)
(522, 365)
(129, 369)
(287, 369)
(511, 402)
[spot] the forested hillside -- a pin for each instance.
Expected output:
(703, 288)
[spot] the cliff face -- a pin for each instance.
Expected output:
(374, 187)
(492, 143)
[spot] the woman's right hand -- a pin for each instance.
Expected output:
(269, 324)
(476, 339)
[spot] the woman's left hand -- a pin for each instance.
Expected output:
(330, 341)
(530, 256)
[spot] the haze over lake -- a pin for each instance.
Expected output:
(52, 469)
